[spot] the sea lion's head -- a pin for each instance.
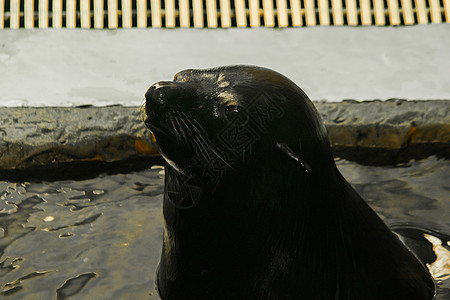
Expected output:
(215, 119)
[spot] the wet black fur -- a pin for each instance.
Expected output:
(267, 229)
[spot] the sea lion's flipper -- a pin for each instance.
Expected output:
(288, 151)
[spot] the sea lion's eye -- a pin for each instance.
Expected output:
(232, 111)
(236, 114)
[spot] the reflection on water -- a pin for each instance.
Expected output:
(101, 238)
(439, 268)
(95, 239)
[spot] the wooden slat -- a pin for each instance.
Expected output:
(421, 12)
(126, 14)
(282, 13)
(310, 13)
(2, 13)
(366, 12)
(113, 21)
(225, 13)
(57, 14)
(296, 13)
(435, 11)
(324, 12)
(29, 13)
(43, 13)
(269, 19)
(394, 12)
(141, 7)
(170, 13)
(241, 18)
(98, 14)
(378, 7)
(447, 10)
(408, 16)
(211, 14)
(338, 13)
(85, 13)
(254, 13)
(184, 13)
(197, 7)
(70, 14)
(156, 13)
(14, 7)
(352, 13)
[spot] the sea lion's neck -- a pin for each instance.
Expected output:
(257, 229)
(243, 224)
(253, 202)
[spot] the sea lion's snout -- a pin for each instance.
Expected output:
(158, 94)
(165, 96)
(156, 99)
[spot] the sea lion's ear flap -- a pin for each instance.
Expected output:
(289, 152)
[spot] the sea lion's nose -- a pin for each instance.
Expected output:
(164, 96)
(159, 92)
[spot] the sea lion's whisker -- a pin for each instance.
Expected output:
(214, 151)
(209, 146)
(186, 125)
(173, 192)
(164, 130)
(203, 150)
(175, 129)
(201, 129)
(198, 140)
(142, 111)
(199, 147)
(182, 130)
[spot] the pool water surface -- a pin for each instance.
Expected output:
(101, 238)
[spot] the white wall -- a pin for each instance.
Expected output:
(102, 67)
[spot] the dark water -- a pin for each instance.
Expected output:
(101, 238)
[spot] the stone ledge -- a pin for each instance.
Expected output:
(51, 136)
(391, 124)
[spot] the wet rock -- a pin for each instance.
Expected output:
(386, 124)
(42, 136)
(32, 137)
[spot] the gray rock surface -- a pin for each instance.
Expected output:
(391, 124)
(33, 137)
(40, 136)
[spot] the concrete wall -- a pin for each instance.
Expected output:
(104, 67)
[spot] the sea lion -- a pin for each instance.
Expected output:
(254, 206)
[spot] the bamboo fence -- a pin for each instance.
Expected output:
(218, 13)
